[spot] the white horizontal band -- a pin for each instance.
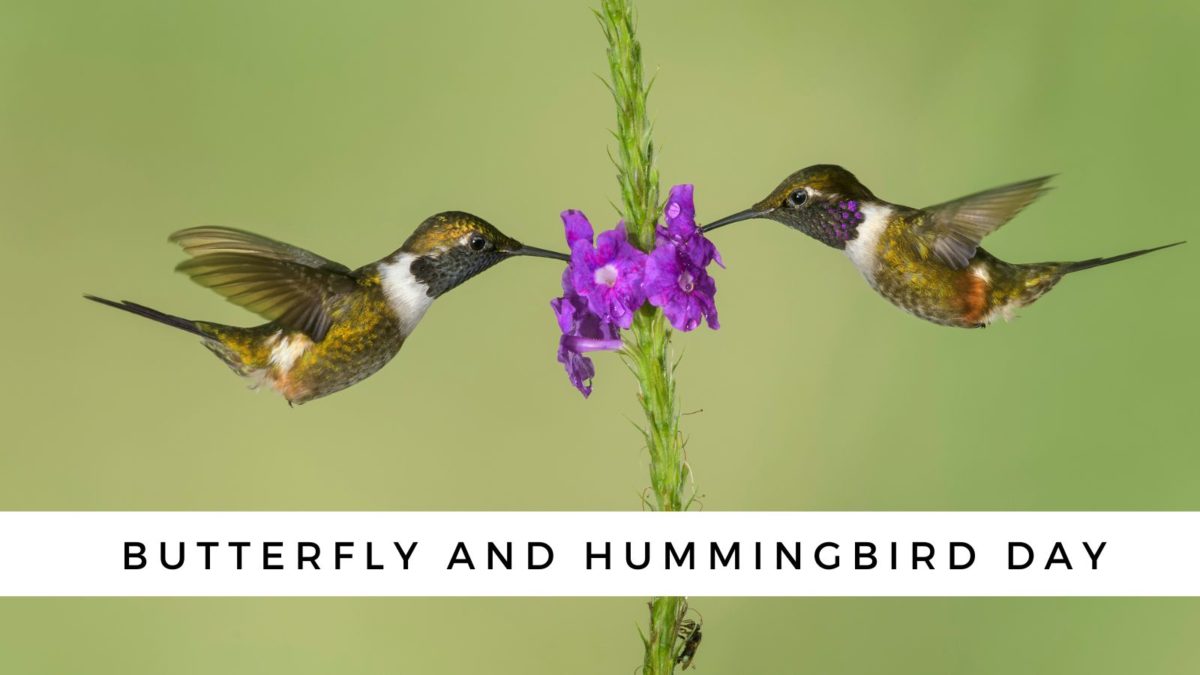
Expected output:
(631, 554)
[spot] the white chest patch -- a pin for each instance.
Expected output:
(863, 250)
(408, 297)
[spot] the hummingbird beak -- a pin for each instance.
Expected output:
(739, 216)
(539, 253)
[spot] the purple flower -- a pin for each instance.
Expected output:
(608, 280)
(608, 276)
(676, 277)
(582, 330)
(680, 213)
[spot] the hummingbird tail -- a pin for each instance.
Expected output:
(1097, 262)
(142, 310)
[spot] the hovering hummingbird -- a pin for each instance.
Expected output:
(329, 326)
(926, 261)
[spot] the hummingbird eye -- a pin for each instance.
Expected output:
(477, 242)
(798, 197)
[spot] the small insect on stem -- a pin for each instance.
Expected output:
(691, 635)
(689, 631)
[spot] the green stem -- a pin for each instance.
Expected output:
(647, 349)
(636, 172)
(647, 344)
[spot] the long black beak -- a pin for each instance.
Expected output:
(540, 253)
(739, 216)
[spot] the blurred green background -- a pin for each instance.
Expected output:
(340, 126)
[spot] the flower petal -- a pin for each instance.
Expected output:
(577, 228)
(609, 244)
(580, 369)
(680, 210)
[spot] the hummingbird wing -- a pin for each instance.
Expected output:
(198, 241)
(951, 232)
(280, 282)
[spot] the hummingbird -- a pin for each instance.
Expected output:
(927, 261)
(328, 326)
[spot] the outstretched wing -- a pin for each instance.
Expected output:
(280, 282)
(951, 232)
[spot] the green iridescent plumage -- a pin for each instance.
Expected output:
(925, 261)
(329, 327)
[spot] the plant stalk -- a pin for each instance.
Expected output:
(647, 345)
